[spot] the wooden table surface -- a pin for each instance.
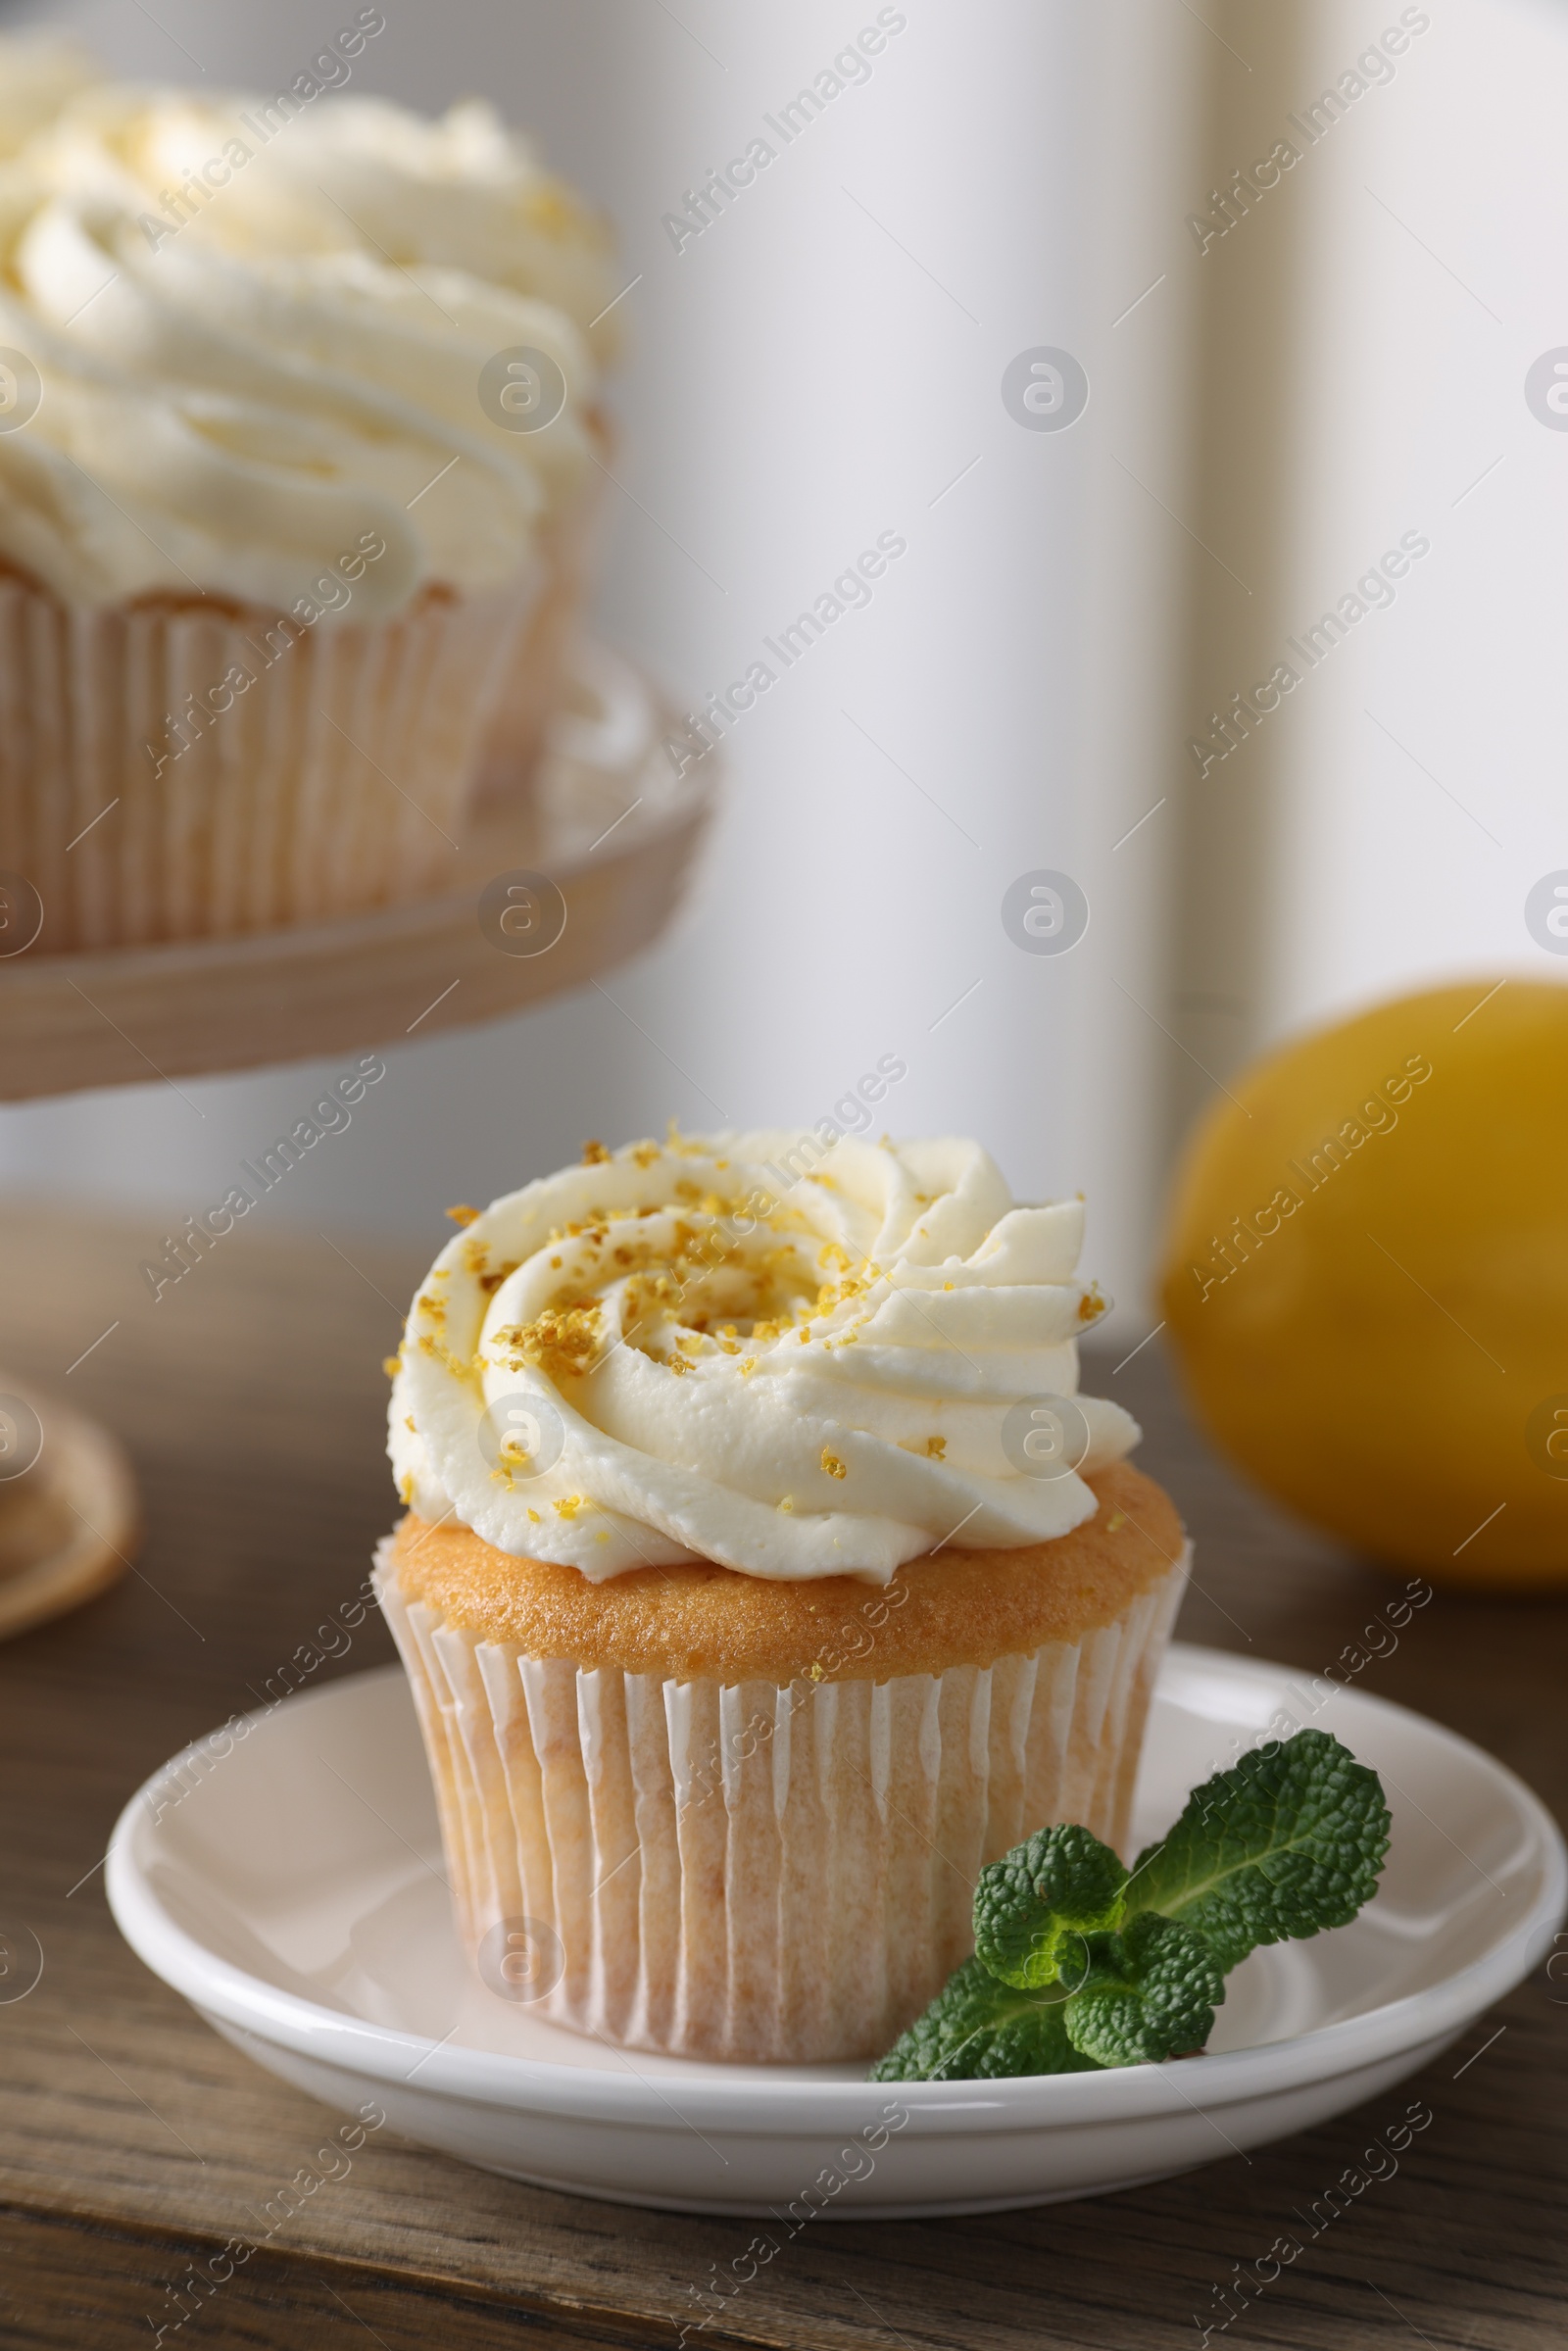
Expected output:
(135, 2139)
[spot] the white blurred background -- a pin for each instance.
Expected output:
(824, 364)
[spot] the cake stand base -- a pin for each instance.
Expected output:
(68, 1508)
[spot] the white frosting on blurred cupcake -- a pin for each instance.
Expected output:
(259, 327)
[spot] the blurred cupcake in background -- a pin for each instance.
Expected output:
(298, 435)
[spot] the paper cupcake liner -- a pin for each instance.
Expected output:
(337, 779)
(536, 669)
(754, 1873)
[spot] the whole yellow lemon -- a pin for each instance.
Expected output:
(1365, 1279)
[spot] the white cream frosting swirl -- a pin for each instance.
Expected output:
(792, 1361)
(259, 336)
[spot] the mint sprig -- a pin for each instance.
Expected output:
(1147, 1993)
(1285, 1844)
(1048, 1892)
(1080, 1963)
(978, 2030)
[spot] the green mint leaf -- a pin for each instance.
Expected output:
(1146, 1994)
(977, 2030)
(1080, 1965)
(1289, 1841)
(1062, 1884)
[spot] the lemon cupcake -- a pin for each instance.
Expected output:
(298, 459)
(763, 1576)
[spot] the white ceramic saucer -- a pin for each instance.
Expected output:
(291, 1888)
